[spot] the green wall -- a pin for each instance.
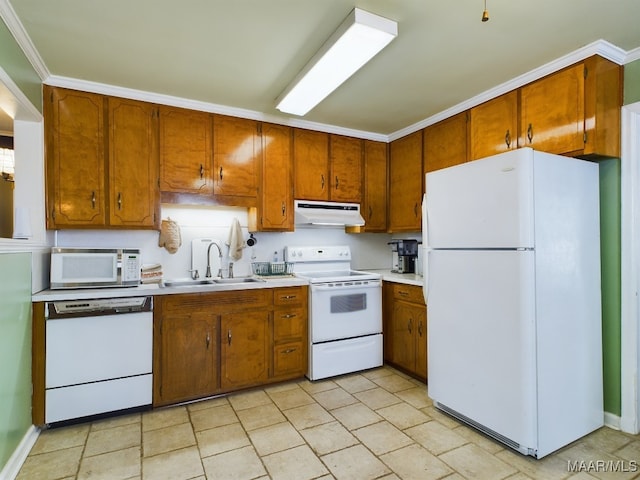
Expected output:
(15, 351)
(632, 82)
(14, 62)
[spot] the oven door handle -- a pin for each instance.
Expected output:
(323, 287)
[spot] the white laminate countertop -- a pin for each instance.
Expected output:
(155, 289)
(407, 278)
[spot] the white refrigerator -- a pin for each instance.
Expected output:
(512, 286)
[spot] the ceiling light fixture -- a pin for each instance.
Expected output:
(356, 41)
(485, 13)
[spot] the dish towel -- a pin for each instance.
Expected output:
(170, 237)
(235, 241)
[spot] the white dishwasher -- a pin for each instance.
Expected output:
(99, 356)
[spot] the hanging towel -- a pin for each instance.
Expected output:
(170, 237)
(235, 241)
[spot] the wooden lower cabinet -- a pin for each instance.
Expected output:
(216, 342)
(405, 328)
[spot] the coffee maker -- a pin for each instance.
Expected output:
(405, 253)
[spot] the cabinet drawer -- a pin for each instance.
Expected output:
(408, 293)
(289, 359)
(218, 302)
(289, 323)
(290, 296)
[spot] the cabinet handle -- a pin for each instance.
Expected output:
(530, 133)
(322, 181)
(420, 328)
(288, 297)
(208, 341)
(220, 174)
(370, 212)
(229, 337)
(507, 139)
(93, 200)
(337, 182)
(289, 315)
(403, 293)
(415, 209)
(119, 201)
(283, 209)
(289, 350)
(201, 171)
(410, 325)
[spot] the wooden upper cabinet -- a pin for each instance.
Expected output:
(405, 184)
(445, 143)
(75, 158)
(346, 169)
(493, 126)
(374, 205)
(236, 147)
(275, 206)
(311, 164)
(133, 164)
(186, 151)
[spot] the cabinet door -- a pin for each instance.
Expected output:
(244, 338)
(445, 143)
(420, 316)
(235, 157)
(552, 112)
(374, 206)
(188, 357)
(493, 126)
(405, 187)
(346, 169)
(403, 326)
(311, 164)
(75, 156)
(134, 199)
(276, 202)
(186, 151)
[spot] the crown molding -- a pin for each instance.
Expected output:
(16, 28)
(632, 55)
(599, 47)
(14, 102)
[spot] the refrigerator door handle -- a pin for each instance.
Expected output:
(425, 275)
(425, 228)
(426, 249)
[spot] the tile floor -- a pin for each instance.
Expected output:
(377, 424)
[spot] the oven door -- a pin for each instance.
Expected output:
(345, 310)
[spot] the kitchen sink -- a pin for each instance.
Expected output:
(187, 282)
(238, 280)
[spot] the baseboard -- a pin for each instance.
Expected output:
(13, 466)
(610, 420)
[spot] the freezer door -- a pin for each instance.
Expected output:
(486, 203)
(481, 338)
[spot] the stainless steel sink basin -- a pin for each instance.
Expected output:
(238, 280)
(187, 282)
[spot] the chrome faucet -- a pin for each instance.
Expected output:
(230, 269)
(208, 274)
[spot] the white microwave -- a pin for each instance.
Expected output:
(94, 267)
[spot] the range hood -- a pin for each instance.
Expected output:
(327, 213)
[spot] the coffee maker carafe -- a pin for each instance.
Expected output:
(405, 253)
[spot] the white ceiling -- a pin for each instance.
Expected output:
(243, 53)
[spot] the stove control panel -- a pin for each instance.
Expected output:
(332, 253)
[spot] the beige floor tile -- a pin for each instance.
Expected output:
(416, 397)
(356, 416)
(176, 465)
(355, 463)
(394, 383)
(377, 398)
(213, 417)
(249, 399)
(607, 440)
(443, 418)
(328, 438)
(240, 464)
(474, 436)
(282, 387)
(335, 398)
(547, 468)
(577, 476)
(53, 464)
(291, 398)
(630, 451)
(403, 415)
(61, 438)
(164, 417)
(208, 403)
(118, 465)
(378, 372)
(221, 439)
(260, 416)
(317, 386)
(355, 383)
(473, 462)
(116, 421)
(115, 438)
(584, 453)
(435, 437)
(414, 461)
(382, 437)
(299, 463)
(308, 416)
(162, 440)
(275, 438)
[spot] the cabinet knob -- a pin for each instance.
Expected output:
(229, 337)
(283, 209)
(208, 340)
(119, 201)
(93, 200)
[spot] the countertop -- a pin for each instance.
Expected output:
(155, 289)
(407, 278)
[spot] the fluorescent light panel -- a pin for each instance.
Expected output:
(356, 41)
